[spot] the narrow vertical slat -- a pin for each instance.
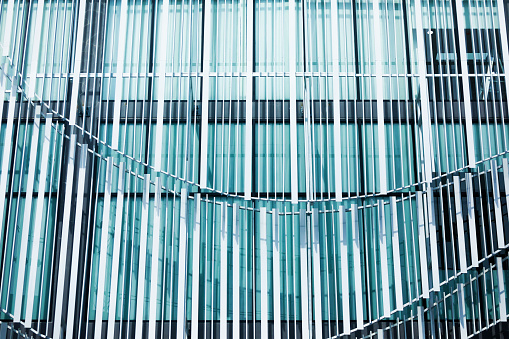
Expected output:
(7, 151)
(248, 149)
(420, 322)
(359, 301)
(317, 290)
(236, 272)
(32, 279)
(459, 225)
(77, 63)
(497, 205)
(264, 307)
(343, 235)
(276, 271)
(207, 23)
(384, 266)
(501, 290)
(423, 253)
(182, 270)
(154, 271)
(64, 238)
(396, 255)
(462, 313)
(117, 236)
(121, 43)
(377, 29)
(161, 81)
(23, 252)
(76, 243)
(460, 22)
(293, 100)
(306, 331)
(103, 249)
(427, 161)
(36, 44)
(8, 31)
(336, 101)
(196, 267)
(472, 228)
(433, 242)
(223, 308)
(142, 263)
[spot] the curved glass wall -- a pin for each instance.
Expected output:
(254, 169)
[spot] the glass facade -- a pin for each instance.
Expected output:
(254, 168)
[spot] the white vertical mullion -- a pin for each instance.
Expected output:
(293, 102)
(196, 268)
(182, 272)
(336, 101)
(304, 275)
(427, 161)
(380, 97)
(316, 275)
(36, 43)
(382, 238)
(236, 271)
(140, 295)
(459, 225)
(117, 237)
(161, 84)
(264, 309)
(223, 297)
(73, 280)
(38, 216)
(249, 102)
(496, 204)
(63, 242)
(77, 63)
(472, 228)
(359, 308)
(26, 219)
(343, 234)
(396, 255)
(122, 30)
(154, 271)
(103, 252)
(423, 253)
(205, 94)
(460, 22)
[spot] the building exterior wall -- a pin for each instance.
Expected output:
(253, 169)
